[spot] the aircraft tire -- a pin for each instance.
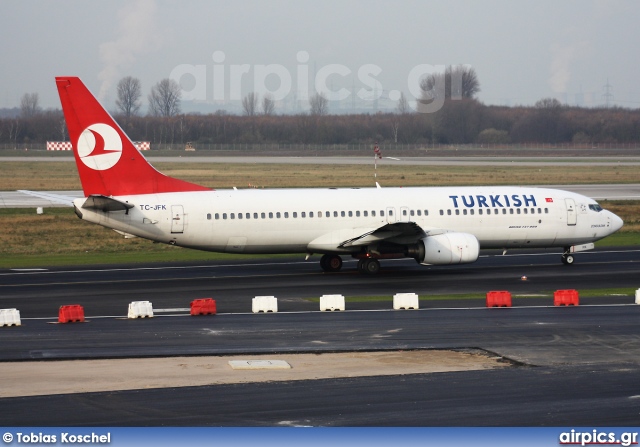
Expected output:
(567, 259)
(371, 266)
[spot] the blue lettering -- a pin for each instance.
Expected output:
(468, 205)
(516, 200)
(482, 201)
(529, 201)
(495, 201)
(455, 201)
(506, 199)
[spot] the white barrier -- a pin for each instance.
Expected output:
(9, 317)
(140, 309)
(638, 296)
(264, 304)
(332, 302)
(405, 301)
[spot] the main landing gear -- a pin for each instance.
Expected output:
(333, 263)
(370, 266)
(567, 257)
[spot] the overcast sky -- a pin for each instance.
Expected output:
(521, 51)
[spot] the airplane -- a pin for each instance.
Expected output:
(433, 225)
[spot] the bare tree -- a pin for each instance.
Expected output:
(29, 105)
(164, 99)
(459, 82)
(268, 104)
(250, 104)
(129, 93)
(403, 105)
(319, 104)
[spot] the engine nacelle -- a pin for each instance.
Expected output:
(449, 248)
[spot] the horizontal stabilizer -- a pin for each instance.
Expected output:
(105, 204)
(55, 198)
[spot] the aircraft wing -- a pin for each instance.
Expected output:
(398, 233)
(55, 198)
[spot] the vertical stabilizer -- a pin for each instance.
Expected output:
(108, 162)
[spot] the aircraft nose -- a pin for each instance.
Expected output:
(616, 223)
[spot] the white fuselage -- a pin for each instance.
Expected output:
(318, 220)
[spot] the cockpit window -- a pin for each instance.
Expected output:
(595, 207)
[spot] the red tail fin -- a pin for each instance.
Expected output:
(108, 162)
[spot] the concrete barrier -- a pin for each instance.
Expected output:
(71, 313)
(499, 298)
(332, 302)
(203, 306)
(566, 298)
(9, 317)
(406, 301)
(264, 304)
(140, 309)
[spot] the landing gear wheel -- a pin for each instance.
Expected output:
(567, 259)
(371, 266)
(361, 265)
(331, 263)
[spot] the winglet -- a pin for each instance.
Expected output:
(108, 162)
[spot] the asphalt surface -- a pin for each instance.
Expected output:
(572, 366)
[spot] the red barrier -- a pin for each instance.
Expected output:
(73, 313)
(566, 298)
(499, 298)
(203, 306)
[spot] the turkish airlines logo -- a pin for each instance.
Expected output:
(99, 147)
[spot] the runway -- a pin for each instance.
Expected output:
(577, 366)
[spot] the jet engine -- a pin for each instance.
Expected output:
(448, 248)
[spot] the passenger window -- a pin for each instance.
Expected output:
(448, 212)
(208, 216)
(303, 214)
(457, 212)
(233, 216)
(404, 212)
(295, 214)
(504, 211)
(357, 213)
(248, 215)
(335, 214)
(263, 215)
(381, 213)
(373, 213)
(286, 214)
(518, 211)
(255, 215)
(327, 214)
(411, 213)
(224, 216)
(471, 211)
(270, 215)
(426, 212)
(510, 210)
(350, 213)
(442, 212)
(310, 213)
(526, 211)
(342, 213)
(277, 215)
(390, 212)
(546, 210)
(217, 216)
(366, 213)
(239, 215)
(480, 211)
